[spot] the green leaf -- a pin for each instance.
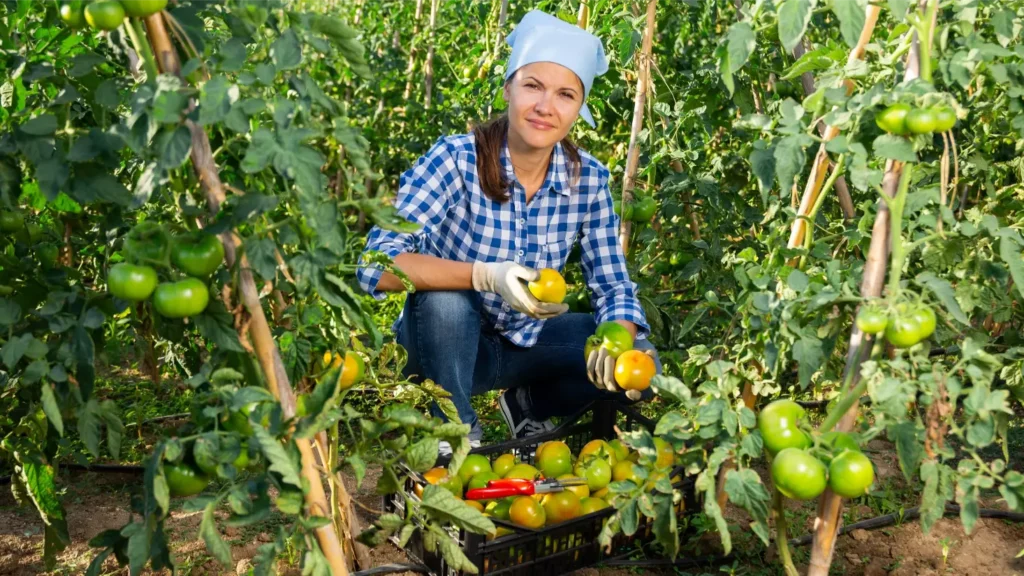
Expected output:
(38, 479)
(97, 563)
(42, 125)
(286, 52)
(231, 55)
(260, 252)
(51, 409)
(279, 459)
(666, 529)
(938, 489)
(908, 439)
(741, 45)
(216, 545)
(894, 148)
(671, 387)
(1011, 255)
(173, 147)
(943, 290)
(712, 509)
(790, 158)
(967, 497)
(215, 99)
(422, 455)
(851, 19)
(899, 9)
(809, 354)
(10, 312)
(89, 427)
(746, 490)
(793, 15)
(444, 506)
(216, 324)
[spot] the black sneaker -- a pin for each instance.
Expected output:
(517, 418)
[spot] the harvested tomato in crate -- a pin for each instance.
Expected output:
(557, 548)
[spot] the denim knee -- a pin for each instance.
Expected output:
(445, 309)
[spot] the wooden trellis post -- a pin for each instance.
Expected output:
(429, 66)
(643, 81)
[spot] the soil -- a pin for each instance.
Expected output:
(96, 502)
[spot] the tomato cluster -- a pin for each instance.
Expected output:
(147, 245)
(803, 464)
(106, 15)
(633, 368)
(903, 119)
(640, 210)
(904, 326)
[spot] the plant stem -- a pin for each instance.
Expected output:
(925, 30)
(137, 35)
(781, 538)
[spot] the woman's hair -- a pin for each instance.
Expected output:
(490, 138)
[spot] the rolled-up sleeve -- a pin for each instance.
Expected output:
(604, 264)
(424, 197)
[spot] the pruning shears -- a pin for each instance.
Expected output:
(505, 487)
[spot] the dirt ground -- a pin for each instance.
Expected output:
(96, 502)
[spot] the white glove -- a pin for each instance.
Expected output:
(508, 280)
(601, 372)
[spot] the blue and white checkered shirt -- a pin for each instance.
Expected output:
(459, 222)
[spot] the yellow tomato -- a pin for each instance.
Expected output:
(550, 287)
(634, 370)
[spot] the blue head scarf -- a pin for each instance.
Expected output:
(540, 37)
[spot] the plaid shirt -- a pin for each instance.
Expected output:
(442, 193)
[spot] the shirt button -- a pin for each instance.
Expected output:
(520, 252)
(522, 220)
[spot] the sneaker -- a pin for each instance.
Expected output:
(519, 421)
(445, 449)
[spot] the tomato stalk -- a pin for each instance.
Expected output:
(136, 34)
(925, 26)
(899, 251)
(781, 533)
(809, 236)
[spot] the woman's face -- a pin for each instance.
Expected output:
(544, 100)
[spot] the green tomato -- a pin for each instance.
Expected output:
(143, 8)
(904, 330)
(921, 121)
(6, 290)
(611, 336)
(11, 221)
(644, 209)
(925, 319)
(48, 254)
(197, 256)
(184, 480)
(840, 441)
(894, 118)
(779, 423)
(850, 474)
(628, 214)
(130, 282)
(147, 242)
(798, 475)
(180, 299)
(72, 13)
(871, 320)
(104, 14)
(945, 118)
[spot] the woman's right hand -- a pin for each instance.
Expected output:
(508, 280)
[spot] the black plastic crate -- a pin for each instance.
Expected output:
(550, 550)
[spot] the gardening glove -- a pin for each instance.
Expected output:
(508, 280)
(601, 372)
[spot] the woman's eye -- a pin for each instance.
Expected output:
(568, 95)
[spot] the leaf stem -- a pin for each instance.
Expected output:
(134, 29)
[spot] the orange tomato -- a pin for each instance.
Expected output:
(352, 371)
(561, 506)
(634, 370)
(527, 512)
(581, 492)
(598, 448)
(439, 477)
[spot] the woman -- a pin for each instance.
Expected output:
(496, 206)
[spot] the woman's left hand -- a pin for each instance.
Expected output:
(601, 372)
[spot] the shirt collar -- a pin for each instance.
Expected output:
(557, 179)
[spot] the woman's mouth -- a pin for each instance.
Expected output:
(539, 125)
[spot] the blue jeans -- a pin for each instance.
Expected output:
(447, 342)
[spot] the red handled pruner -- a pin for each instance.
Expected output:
(522, 487)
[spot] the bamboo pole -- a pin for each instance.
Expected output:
(643, 75)
(410, 69)
(842, 190)
(821, 160)
(429, 66)
(830, 506)
(584, 17)
(259, 331)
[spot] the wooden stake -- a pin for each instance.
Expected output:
(830, 506)
(259, 331)
(428, 83)
(643, 75)
(410, 69)
(821, 161)
(584, 17)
